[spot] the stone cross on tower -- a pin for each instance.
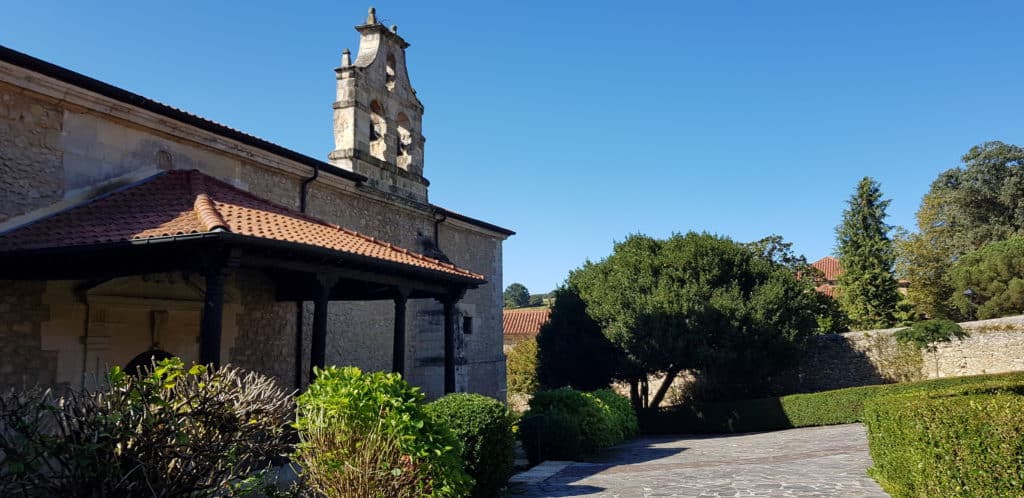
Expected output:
(377, 117)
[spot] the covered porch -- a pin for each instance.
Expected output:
(186, 222)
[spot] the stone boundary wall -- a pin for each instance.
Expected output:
(861, 358)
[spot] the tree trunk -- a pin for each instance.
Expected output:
(644, 392)
(634, 393)
(663, 389)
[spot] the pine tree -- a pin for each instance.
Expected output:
(867, 286)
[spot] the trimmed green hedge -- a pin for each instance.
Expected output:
(841, 406)
(565, 423)
(484, 426)
(948, 445)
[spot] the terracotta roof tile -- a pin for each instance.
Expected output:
(524, 321)
(190, 202)
(830, 267)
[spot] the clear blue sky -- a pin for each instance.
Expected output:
(577, 123)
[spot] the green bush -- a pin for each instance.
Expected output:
(553, 435)
(369, 435)
(521, 367)
(167, 431)
(925, 334)
(622, 412)
(969, 445)
(841, 406)
(565, 423)
(484, 426)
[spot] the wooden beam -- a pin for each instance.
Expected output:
(437, 289)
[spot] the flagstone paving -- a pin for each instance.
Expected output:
(811, 462)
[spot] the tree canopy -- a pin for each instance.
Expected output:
(966, 207)
(696, 301)
(571, 350)
(989, 282)
(867, 286)
(516, 295)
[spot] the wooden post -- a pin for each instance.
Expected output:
(318, 349)
(449, 345)
(398, 351)
(212, 320)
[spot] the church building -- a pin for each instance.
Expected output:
(131, 229)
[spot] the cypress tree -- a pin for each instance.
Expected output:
(867, 286)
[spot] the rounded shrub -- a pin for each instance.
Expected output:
(596, 420)
(554, 435)
(621, 411)
(484, 426)
(368, 434)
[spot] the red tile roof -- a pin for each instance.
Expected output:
(524, 321)
(189, 202)
(830, 267)
(826, 289)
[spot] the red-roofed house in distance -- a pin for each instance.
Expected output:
(831, 269)
(131, 229)
(523, 323)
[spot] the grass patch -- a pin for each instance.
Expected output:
(841, 406)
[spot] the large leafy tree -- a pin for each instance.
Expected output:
(989, 282)
(967, 207)
(828, 314)
(516, 295)
(696, 301)
(867, 286)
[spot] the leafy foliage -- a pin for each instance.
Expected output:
(948, 445)
(516, 296)
(521, 367)
(169, 431)
(484, 426)
(571, 350)
(565, 423)
(697, 301)
(966, 208)
(867, 286)
(994, 276)
(369, 435)
(925, 334)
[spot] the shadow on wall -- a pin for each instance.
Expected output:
(833, 361)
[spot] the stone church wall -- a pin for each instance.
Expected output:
(54, 155)
(31, 171)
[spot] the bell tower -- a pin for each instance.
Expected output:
(377, 117)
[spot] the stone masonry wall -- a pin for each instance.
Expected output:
(31, 172)
(22, 313)
(872, 357)
(265, 337)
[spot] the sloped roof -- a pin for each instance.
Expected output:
(829, 267)
(524, 321)
(177, 203)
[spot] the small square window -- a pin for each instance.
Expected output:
(467, 325)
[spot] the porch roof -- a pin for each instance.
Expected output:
(187, 205)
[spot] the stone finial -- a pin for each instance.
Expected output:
(371, 18)
(346, 58)
(394, 28)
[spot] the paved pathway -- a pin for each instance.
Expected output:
(813, 461)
